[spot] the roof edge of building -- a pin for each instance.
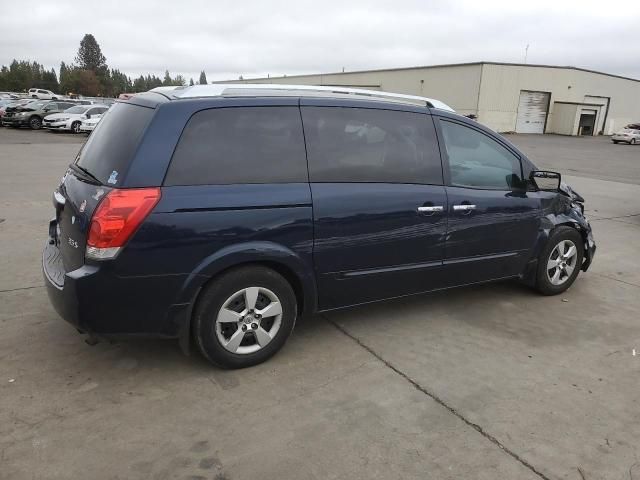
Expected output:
(444, 65)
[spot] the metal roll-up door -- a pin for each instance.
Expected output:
(532, 111)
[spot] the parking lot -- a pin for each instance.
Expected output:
(488, 382)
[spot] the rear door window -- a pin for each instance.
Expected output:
(240, 145)
(111, 147)
(370, 145)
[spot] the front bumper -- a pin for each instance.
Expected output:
(15, 121)
(589, 250)
(56, 125)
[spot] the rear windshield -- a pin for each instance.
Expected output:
(111, 146)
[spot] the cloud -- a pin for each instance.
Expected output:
(252, 38)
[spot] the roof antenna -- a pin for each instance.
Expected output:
(526, 52)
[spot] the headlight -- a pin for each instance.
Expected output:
(62, 119)
(22, 114)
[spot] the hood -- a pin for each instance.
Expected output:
(571, 193)
(55, 116)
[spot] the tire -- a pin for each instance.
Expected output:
(555, 280)
(615, 141)
(632, 141)
(75, 127)
(226, 298)
(35, 123)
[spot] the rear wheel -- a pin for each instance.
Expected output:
(615, 141)
(75, 127)
(560, 262)
(632, 142)
(35, 123)
(244, 317)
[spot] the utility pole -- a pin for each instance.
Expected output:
(526, 52)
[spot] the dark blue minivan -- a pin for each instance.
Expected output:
(219, 214)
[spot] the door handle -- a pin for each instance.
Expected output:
(464, 208)
(431, 209)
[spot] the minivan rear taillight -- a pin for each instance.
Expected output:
(116, 218)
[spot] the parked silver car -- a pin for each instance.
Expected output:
(70, 119)
(629, 134)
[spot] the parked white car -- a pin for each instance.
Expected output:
(89, 124)
(71, 119)
(42, 94)
(629, 134)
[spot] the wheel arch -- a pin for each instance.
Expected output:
(296, 269)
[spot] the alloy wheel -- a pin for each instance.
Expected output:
(248, 320)
(562, 262)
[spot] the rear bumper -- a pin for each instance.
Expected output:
(95, 300)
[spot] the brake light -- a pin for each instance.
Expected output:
(116, 218)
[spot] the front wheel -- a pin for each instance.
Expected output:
(75, 127)
(244, 317)
(615, 141)
(35, 123)
(632, 142)
(560, 261)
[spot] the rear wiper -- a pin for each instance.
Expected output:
(86, 173)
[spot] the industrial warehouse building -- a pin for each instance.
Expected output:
(507, 97)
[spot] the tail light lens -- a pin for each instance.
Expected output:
(116, 218)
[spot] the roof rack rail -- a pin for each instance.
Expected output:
(266, 89)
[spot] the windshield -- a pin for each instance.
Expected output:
(76, 109)
(35, 105)
(114, 142)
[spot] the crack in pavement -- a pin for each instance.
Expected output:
(615, 279)
(595, 218)
(21, 288)
(438, 400)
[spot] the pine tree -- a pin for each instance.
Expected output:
(203, 78)
(90, 56)
(167, 79)
(191, 82)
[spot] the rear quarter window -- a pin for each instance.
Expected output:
(236, 145)
(113, 144)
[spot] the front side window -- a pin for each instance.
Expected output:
(238, 145)
(476, 160)
(347, 144)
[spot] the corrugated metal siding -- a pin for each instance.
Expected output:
(492, 91)
(501, 86)
(457, 86)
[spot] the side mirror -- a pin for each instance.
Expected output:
(88, 115)
(545, 181)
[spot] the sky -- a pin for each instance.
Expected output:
(251, 38)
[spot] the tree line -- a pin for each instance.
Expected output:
(89, 75)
